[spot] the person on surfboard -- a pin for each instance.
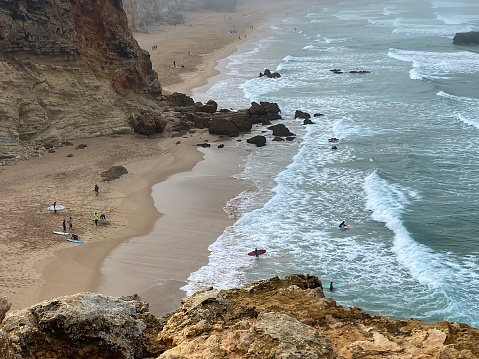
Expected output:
(342, 224)
(331, 286)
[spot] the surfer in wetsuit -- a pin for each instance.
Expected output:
(342, 224)
(331, 286)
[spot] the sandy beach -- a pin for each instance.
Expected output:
(189, 196)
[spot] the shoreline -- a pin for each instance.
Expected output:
(162, 291)
(39, 265)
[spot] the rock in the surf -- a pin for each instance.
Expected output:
(466, 38)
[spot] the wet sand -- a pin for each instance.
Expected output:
(189, 193)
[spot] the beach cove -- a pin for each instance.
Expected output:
(38, 265)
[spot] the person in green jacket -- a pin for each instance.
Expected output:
(96, 217)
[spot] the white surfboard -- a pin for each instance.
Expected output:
(58, 207)
(61, 233)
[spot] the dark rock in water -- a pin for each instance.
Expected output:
(333, 139)
(281, 130)
(290, 138)
(259, 141)
(334, 147)
(278, 139)
(301, 114)
(466, 38)
(268, 73)
(359, 72)
(114, 173)
(264, 112)
(221, 146)
(308, 122)
(318, 114)
(336, 71)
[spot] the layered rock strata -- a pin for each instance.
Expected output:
(274, 318)
(144, 13)
(69, 69)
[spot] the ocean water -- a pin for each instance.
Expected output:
(405, 174)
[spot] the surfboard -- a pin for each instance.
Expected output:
(347, 226)
(257, 252)
(74, 240)
(58, 207)
(335, 286)
(61, 233)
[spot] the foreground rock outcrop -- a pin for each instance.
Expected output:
(274, 318)
(69, 69)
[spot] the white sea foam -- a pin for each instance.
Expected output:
(382, 122)
(451, 19)
(310, 48)
(467, 112)
(388, 202)
(391, 10)
(453, 4)
(413, 27)
(437, 65)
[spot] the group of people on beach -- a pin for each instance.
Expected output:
(96, 216)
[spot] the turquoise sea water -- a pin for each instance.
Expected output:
(406, 171)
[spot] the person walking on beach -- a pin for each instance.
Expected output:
(70, 223)
(96, 189)
(64, 224)
(96, 217)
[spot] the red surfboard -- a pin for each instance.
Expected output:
(257, 252)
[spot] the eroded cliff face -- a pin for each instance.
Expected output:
(289, 318)
(144, 13)
(69, 69)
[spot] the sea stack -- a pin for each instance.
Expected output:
(466, 38)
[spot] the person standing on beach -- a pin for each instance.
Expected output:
(96, 217)
(96, 189)
(64, 224)
(55, 207)
(70, 223)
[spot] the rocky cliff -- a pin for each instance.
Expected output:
(289, 318)
(144, 13)
(68, 69)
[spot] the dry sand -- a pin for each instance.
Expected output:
(37, 264)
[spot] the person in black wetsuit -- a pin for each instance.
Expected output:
(331, 286)
(342, 224)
